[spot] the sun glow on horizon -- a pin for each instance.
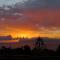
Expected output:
(49, 34)
(25, 35)
(42, 32)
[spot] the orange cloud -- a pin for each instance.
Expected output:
(31, 24)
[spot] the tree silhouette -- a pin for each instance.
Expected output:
(58, 51)
(27, 49)
(39, 43)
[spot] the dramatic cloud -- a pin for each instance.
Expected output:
(42, 4)
(10, 2)
(53, 3)
(36, 4)
(30, 16)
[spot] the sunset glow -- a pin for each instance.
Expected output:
(43, 32)
(29, 28)
(30, 18)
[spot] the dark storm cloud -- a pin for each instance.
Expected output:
(42, 3)
(29, 4)
(15, 14)
(36, 4)
(53, 3)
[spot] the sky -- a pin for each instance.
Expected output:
(30, 18)
(9, 2)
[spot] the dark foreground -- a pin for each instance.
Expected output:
(27, 57)
(27, 53)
